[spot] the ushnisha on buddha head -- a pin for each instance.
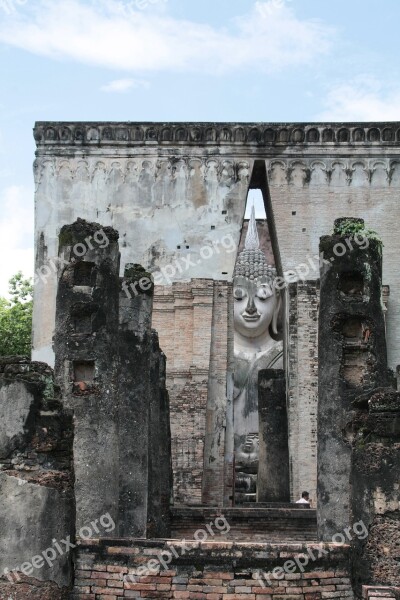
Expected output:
(257, 301)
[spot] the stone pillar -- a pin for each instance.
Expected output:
(273, 470)
(86, 369)
(111, 373)
(214, 444)
(229, 476)
(352, 360)
(375, 501)
(160, 464)
(134, 393)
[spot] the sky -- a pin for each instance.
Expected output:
(181, 60)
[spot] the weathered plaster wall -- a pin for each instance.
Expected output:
(187, 179)
(173, 189)
(309, 193)
(167, 204)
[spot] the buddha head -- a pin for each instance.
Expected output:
(257, 301)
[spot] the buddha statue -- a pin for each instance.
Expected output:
(257, 305)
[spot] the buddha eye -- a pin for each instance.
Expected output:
(263, 293)
(239, 294)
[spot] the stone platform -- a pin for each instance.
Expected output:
(264, 523)
(211, 570)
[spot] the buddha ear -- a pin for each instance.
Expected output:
(274, 324)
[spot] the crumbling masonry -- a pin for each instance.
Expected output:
(119, 471)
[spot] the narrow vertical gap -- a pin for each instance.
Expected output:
(257, 339)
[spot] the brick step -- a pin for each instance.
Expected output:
(255, 524)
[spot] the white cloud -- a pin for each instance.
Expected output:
(105, 33)
(364, 99)
(120, 86)
(16, 233)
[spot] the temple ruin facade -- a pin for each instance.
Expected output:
(194, 372)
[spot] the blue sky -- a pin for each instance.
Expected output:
(178, 60)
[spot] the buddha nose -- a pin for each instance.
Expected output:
(251, 307)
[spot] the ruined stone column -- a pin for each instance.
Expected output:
(112, 375)
(134, 391)
(160, 463)
(86, 369)
(273, 483)
(375, 477)
(216, 419)
(352, 359)
(144, 432)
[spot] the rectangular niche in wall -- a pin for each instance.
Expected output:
(351, 286)
(84, 274)
(83, 324)
(84, 371)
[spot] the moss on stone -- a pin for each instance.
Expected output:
(350, 227)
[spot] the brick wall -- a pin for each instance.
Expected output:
(210, 571)
(280, 523)
(191, 320)
(302, 351)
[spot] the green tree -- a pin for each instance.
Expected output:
(16, 318)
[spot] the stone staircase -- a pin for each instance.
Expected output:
(261, 522)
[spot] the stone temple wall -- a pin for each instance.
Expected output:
(177, 195)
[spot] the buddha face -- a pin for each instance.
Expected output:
(256, 303)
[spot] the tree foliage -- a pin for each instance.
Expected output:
(16, 317)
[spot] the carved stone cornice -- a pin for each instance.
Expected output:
(381, 172)
(97, 134)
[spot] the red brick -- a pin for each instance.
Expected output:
(98, 574)
(99, 582)
(239, 597)
(112, 569)
(115, 584)
(107, 593)
(140, 586)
